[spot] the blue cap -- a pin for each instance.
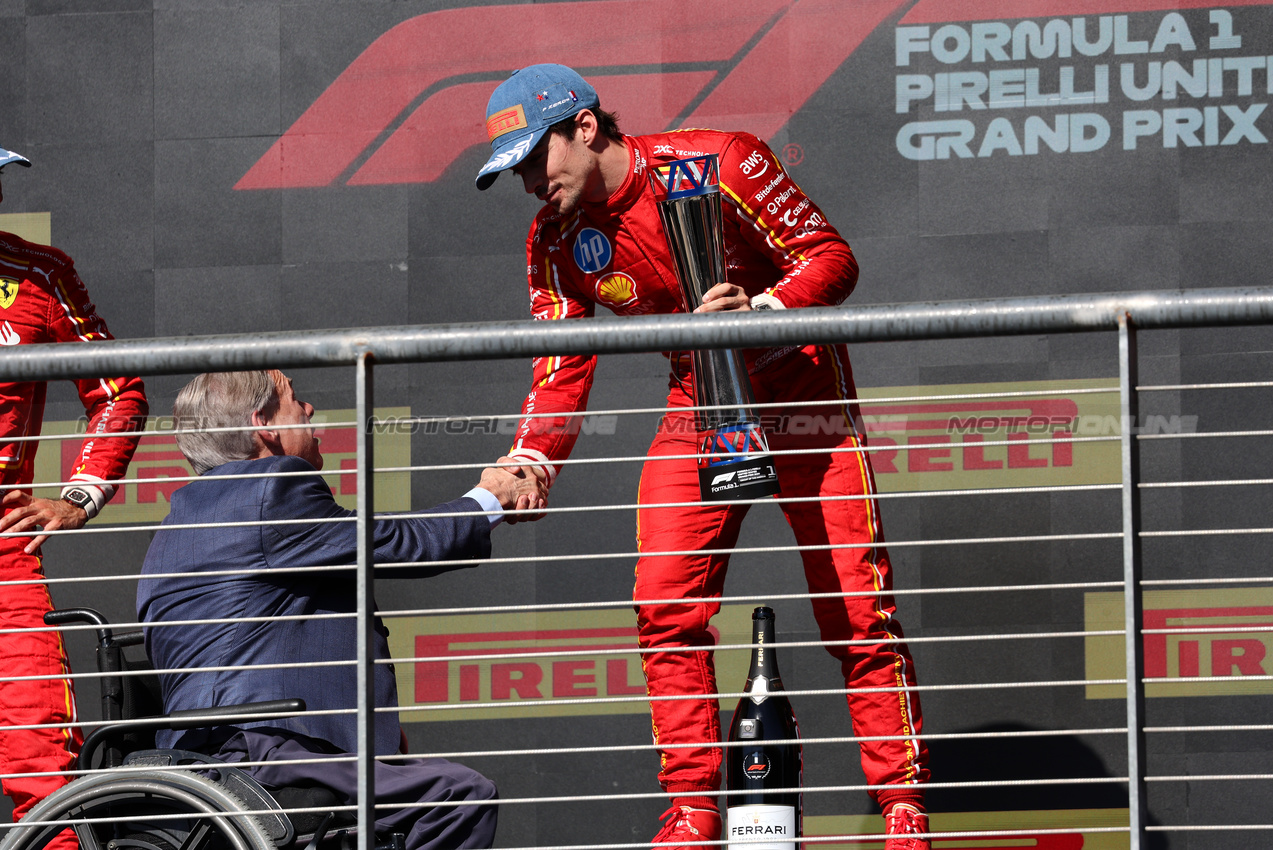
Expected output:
(7, 157)
(522, 109)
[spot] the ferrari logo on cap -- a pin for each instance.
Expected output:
(8, 292)
(506, 121)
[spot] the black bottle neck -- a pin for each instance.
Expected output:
(764, 660)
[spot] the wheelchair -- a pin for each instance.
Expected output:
(131, 798)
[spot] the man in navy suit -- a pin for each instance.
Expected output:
(280, 558)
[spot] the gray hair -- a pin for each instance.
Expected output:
(221, 400)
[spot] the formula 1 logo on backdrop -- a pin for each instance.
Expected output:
(414, 101)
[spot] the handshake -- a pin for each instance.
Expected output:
(520, 486)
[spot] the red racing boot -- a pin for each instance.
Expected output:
(902, 825)
(687, 825)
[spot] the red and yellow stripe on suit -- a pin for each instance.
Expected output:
(43, 300)
(778, 242)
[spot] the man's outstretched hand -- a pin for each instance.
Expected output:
(519, 486)
(26, 513)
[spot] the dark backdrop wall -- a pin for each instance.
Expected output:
(224, 167)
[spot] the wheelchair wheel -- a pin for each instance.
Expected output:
(142, 810)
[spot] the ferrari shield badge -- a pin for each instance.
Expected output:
(8, 292)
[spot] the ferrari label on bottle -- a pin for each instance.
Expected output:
(769, 827)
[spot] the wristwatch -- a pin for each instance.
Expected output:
(82, 499)
(765, 301)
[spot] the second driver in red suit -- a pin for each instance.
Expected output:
(598, 241)
(42, 299)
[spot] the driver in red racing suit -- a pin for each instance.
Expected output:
(599, 240)
(42, 299)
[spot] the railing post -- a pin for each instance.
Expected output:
(1133, 603)
(365, 597)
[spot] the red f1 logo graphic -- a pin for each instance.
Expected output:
(764, 59)
(402, 85)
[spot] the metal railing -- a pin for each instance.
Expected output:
(1123, 314)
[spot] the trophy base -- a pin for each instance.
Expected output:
(735, 464)
(745, 478)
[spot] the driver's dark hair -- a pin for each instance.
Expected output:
(607, 125)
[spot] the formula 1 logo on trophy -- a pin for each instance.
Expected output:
(734, 460)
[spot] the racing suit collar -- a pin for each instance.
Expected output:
(629, 190)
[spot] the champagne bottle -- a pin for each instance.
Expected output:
(765, 756)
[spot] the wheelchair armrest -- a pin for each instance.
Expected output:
(88, 616)
(92, 617)
(191, 718)
(62, 616)
(134, 638)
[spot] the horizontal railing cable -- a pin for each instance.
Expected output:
(1197, 435)
(663, 795)
(768, 597)
(1207, 532)
(963, 687)
(569, 606)
(319, 424)
(477, 466)
(636, 748)
(1202, 827)
(769, 405)
(641, 458)
(1240, 727)
(1008, 833)
(1226, 385)
(1210, 630)
(860, 324)
(721, 695)
(173, 432)
(1215, 777)
(574, 509)
(1149, 310)
(1167, 582)
(460, 562)
(564, 653)
(558, 750)
(572, 606)
(1203, 680)
(1181, 485)
(890, 544)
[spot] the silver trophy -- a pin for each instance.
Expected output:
(734, 460)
